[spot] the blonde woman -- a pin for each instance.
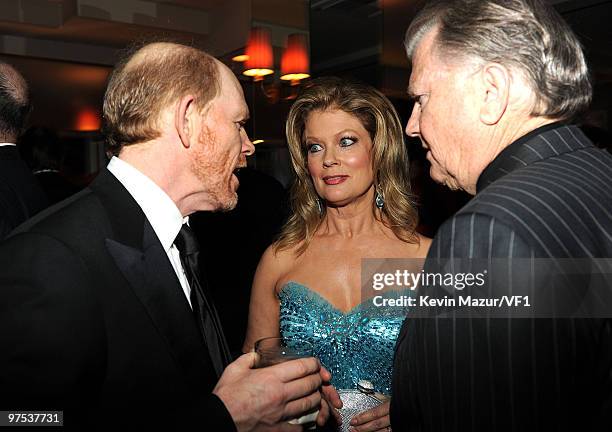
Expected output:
(351, 200)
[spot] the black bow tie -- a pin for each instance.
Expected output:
(204, 310)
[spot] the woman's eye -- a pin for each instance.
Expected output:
(313, 148)
(347, 141)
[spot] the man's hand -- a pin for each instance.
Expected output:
(264, 399)
(330, 402)
(375, 419)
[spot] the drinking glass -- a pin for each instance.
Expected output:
(275, 350)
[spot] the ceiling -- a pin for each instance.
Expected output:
(362, 38)
(218, 26)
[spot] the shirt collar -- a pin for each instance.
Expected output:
(8, 145)
(163, 214)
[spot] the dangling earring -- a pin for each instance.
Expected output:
(320, 205)
(379, 200)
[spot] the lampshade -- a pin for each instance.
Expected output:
(87, 119)
(295, 63)
(259, 51)
(240, 58)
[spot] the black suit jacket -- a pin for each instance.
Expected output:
(93, 320)
(20, 194)
(549, 194)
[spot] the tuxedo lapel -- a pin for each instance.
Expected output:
(143, 262)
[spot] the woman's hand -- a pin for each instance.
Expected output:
(375, 419)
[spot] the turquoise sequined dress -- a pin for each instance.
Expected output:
(353, 346)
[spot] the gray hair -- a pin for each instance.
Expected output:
(525, 35)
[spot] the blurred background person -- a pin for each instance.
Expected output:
(20, 195)
(42, 151)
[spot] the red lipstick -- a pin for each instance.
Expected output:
(334, 180)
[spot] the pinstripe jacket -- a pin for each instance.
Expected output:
(549, 194)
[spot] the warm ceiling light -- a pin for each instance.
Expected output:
(295, 63)
(258, 141)
(240, 58)
(259, 51)
(87, 119)
(258, 72)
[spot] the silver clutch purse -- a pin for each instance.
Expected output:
(354, 402)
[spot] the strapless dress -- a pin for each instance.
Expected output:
(355, 346)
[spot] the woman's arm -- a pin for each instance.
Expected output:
(264, 306)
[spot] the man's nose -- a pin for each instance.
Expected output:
(247, 145)
(412, 127)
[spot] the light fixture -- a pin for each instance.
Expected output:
(294, 62)
(260, 60)
(240, 58)
(257, 141)
(88, 119)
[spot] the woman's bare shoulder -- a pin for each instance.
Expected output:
(277, 262)
(424, 245)
(278, 257)
(416, 249)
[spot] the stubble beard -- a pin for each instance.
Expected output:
(212, 174)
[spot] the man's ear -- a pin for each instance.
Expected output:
(496, 80)
(184, 119)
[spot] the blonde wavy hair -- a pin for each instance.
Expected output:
(389, 160)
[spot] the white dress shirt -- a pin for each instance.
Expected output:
(8, 145)
(163, 215)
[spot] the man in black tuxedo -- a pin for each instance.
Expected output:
(20, 194)
(495, 85)
(102, 313)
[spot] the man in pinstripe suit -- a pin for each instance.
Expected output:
(496, 84)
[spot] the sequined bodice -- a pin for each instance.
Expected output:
(356, 345)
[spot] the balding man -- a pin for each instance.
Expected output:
(102, 312)
(20, 194)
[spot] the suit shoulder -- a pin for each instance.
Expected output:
(69, 218)
(572, 179)
(561, 205)
(478, 235)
